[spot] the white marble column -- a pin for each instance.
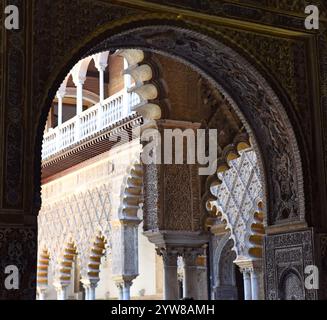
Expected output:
(87, 292)
(101, 63)
(120, 291)
(251, 270)
(101, 79)
(256, 280)
(60, 96)
(169, 256)
(41, 293)
(79, 96)
(92, 288)
(61, 292)
(127, 84)
(127, 290)
(124, 287)
(101, 68)
(79, 105)
(247, 284)
(255, 285)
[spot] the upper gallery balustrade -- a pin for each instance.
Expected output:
(93, 120)
(88, 120)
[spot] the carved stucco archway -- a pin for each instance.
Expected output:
(248, 92)
(259, 101)
(239, 197)
(125, 258)
(131, 191)
(224, 282)
(80, 219)
(251, 96)
(64, 266)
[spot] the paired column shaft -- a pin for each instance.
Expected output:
(251, 270)
(62, 293)
(127, 84)
(247, 285)
(255, 284)
(79, 98)
(169, 257)
(101, 80)
(121, 292)
(170, 282)
(191, 289)
(79, 106)
(89, 288)
(42, 293)
(124, 287)
(60, 98)
(190, 281)
(127, 290)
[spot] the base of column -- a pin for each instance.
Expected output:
(124, 284)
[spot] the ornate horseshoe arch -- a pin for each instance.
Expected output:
(253, 99)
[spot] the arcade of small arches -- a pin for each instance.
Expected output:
(113, 228)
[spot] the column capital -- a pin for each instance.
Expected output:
(59, 285)
(130, 221)
(124, 285)
(169, 255)
(101, 67)
(123, 281)
(61, 289)
(61, 93)
(90, 283)
(79, 80)
(249, 265)
(42, 289)
(190, 255)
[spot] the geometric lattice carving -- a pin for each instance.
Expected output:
(237, 201)
(79, 218)
(259, 107)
